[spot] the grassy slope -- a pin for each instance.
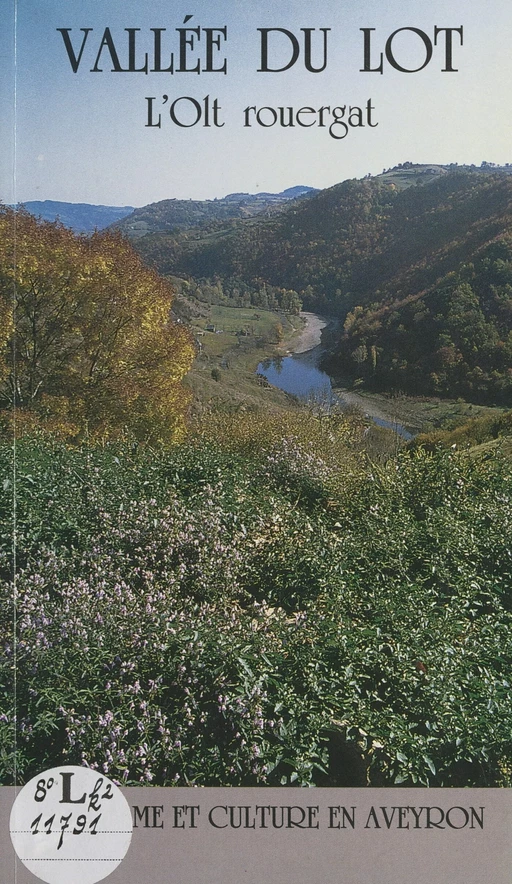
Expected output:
(234, 359)
(269, 609)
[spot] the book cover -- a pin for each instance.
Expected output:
(256, 373)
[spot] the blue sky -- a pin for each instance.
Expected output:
(81, 137)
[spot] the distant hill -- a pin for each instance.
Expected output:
(407, 174)
(80, 217)
(172, 215)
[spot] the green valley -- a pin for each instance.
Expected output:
(206, 581)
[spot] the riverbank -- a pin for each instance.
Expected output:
(419, 414)
(409, 413)
(311, 335)
(297, 372)
(230, 343)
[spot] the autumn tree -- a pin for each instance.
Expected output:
(91, 344)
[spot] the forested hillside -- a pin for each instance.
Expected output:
(419, 274)
(453, 339)
(351, 242)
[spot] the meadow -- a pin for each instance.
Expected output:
(274, 609)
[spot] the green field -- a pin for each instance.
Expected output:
(241, 339)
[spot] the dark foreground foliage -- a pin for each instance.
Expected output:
(206, 615)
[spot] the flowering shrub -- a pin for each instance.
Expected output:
(224, 615)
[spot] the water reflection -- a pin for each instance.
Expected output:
(299, 375)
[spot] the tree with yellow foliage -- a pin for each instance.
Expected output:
(87, 336)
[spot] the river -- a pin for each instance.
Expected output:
(298, 373)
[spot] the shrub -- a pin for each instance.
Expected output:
(215, 615)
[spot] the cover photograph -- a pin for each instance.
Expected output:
(255, 442)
